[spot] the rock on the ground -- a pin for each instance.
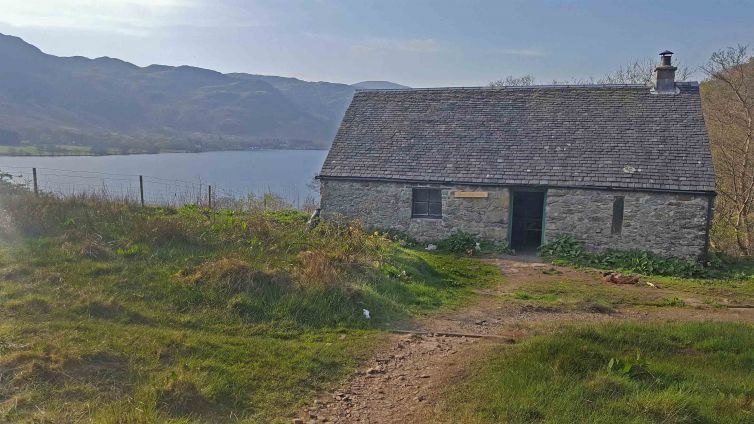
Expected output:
(618, 278)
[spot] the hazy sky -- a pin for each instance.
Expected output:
(414, 42)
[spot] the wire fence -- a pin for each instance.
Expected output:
(151, 190)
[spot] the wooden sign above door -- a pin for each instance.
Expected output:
(471, 194)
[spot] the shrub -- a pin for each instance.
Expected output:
(460, 242)
(401, 237)
(564, 247)
(287, 216)
(568, 250)
(494, 246)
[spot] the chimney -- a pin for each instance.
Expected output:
(663, 79)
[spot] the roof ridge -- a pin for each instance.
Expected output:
(521, 87)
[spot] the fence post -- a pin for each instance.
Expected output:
(141, 190)
(34, 177)
(209, 196)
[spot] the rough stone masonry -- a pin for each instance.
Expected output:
(663, 223)
(672, 224)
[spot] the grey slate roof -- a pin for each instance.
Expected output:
(608, 136)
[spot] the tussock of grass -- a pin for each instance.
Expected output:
(200, 315)
(232, 276)
(181, 397)
(675, 373)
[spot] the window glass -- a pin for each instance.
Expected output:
(426, 203)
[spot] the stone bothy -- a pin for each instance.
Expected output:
(617, 166)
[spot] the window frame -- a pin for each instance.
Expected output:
(433, 201)
(619, 211)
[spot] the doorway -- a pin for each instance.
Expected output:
(527, 215)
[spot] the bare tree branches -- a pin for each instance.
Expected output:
(728, 99)
(511, 81)
(640, 72)
(635, 72)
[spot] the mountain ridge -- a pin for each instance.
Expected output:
(107, 104)
(378, 85)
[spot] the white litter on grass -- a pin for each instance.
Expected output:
(366, 313)
(431, 247)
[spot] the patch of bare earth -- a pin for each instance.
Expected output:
(404, 380)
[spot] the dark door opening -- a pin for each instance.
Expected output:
(526, 225)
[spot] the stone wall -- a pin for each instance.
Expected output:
(664, 223)
(388, 205)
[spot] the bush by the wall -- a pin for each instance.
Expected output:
(571, 251)
(460, 242)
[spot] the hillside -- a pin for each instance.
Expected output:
(378, 85)
(112, 105)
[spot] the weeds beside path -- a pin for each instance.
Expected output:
(408, 380)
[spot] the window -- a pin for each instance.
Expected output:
(617, 215)
(426, 203)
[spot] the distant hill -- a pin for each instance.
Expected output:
(378, 85)
(114, 106)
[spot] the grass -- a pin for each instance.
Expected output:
(109, 312)
(736, 289)
(545, 297)
(114, 313)
(597, 296)
(673, 373)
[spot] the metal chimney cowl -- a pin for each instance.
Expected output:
(663, 79)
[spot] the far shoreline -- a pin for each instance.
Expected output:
(60, 155)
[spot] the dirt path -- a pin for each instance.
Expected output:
(404, 381)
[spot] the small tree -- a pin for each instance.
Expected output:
(728, 99)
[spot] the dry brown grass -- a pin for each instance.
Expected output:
(108, 310)
(91, 245)
(317, 268)
(161, 231)
(231, 276)
(14, 273)
(46, 214)
(29, 368)
(339, 252)
(182, 398)
(33, 305)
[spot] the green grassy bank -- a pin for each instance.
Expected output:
(617, 373)
(109, 312)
